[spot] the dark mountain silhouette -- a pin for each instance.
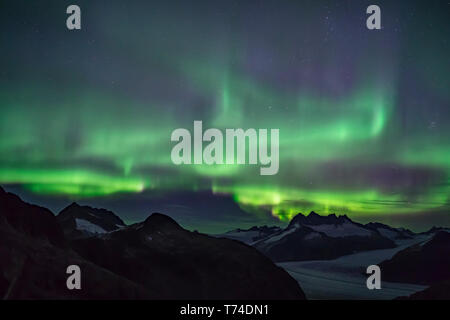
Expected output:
(178, 263)
(34, 256)
(83, 221)
(425, 263)
(155, 259)
(316, 237)
(30, 220)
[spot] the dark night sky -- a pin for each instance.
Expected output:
(363, 114)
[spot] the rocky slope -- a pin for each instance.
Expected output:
(155, 259)
(424, 263)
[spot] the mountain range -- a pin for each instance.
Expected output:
(154, 259)
(158, 259)
(316, 237)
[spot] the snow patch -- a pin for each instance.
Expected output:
(282, 235)
(85, 225)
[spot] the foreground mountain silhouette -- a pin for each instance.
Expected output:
(34, 256)
(32, 221)
(184, 263)
(155, 259)
(316, 237)
(424, 263)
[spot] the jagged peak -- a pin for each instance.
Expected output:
(70, 207)
(73, 205)
(94, 215)
(314, 218)
(313, 214)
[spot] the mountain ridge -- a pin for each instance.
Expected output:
(315, 237)
(83, 221)
(154, 259)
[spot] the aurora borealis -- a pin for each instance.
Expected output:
(363, 114)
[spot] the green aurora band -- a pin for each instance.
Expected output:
(78, 140)
(132, 143)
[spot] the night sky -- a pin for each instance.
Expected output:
(364, 115)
